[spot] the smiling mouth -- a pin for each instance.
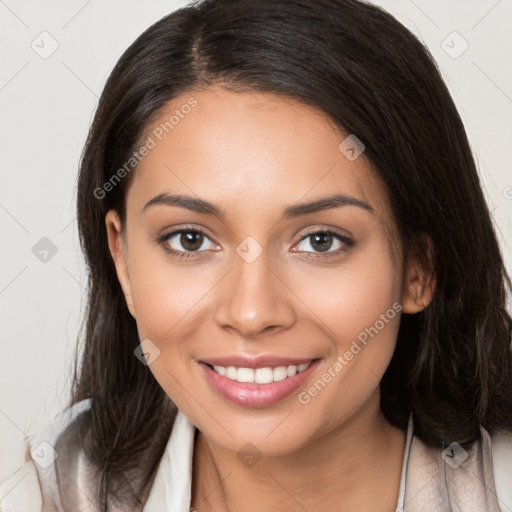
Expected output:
(265, 375)
(257, 382)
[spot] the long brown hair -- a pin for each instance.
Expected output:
(452, 367)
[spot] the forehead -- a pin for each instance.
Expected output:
(248, 151)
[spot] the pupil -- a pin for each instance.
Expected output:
(191, 241)
(321, 241)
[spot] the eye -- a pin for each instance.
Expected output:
(324, 243)
(184, 242)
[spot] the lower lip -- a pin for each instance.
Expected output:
(254, 395)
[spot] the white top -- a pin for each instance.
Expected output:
(32, 488)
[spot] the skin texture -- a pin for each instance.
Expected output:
(253, 154)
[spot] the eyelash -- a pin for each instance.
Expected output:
(329, 254)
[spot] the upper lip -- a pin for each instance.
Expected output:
(263, 361)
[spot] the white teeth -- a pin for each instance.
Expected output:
(231, 372)
(220, 369)
(280, 373)
(302, 367)
(264, 376)
(261, 375)
(245, 375)
(291, 370)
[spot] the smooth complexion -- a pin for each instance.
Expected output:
(252, 156)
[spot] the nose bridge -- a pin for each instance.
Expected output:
(252, 297)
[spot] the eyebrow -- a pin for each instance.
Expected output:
(293, 211)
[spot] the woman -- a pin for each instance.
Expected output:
(296, 300)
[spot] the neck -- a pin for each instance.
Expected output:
(358, 464)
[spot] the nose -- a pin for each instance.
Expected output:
(253, 299)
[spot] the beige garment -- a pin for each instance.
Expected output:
(458, 482)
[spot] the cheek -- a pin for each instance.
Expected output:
(359, 305)
(352, 297)
(168, 299)
(164, 292)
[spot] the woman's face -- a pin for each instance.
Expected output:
(228, 267)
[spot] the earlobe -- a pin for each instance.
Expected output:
(118, 251)
(419, 287)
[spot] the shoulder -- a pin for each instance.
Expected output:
(21, 491)
(52, 457)
(501, 447)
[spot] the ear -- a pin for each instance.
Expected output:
(419, 279)
(119, 252)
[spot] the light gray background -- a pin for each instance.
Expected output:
(46, 108)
